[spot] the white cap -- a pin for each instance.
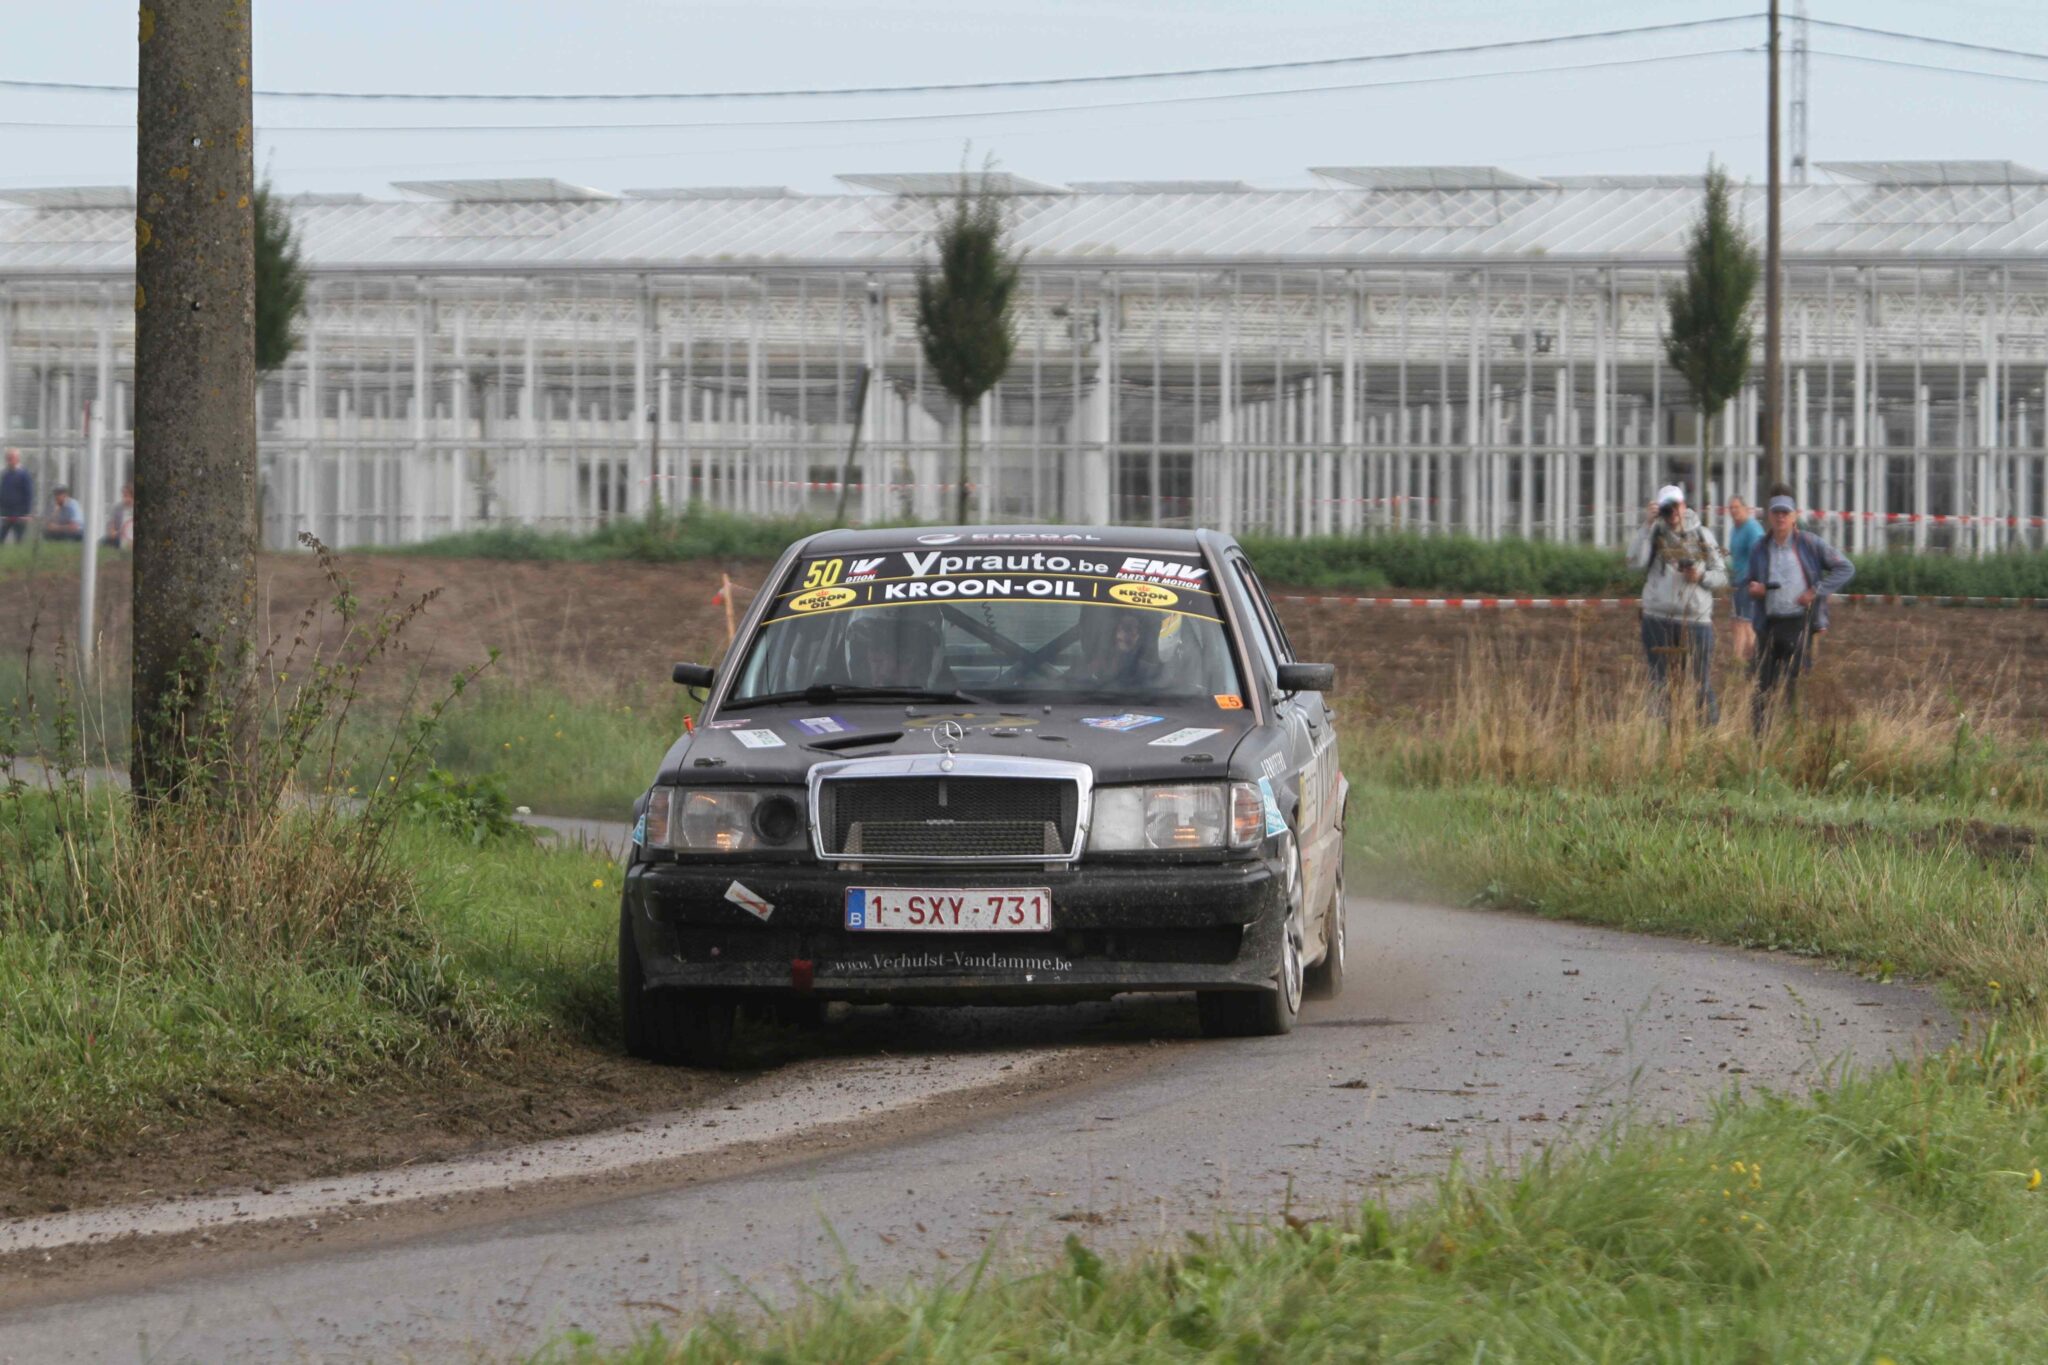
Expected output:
(1670, 492)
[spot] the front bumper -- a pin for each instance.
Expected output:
(1117, 927)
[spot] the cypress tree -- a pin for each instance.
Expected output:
(1707, 338)
(963, 308)
(280, 282)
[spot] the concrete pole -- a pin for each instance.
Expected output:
(1602, 353)
(533, 477)
(92, 505)
(458, 456)
(421, 473)
(1922, 430)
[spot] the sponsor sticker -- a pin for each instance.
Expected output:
(825, 725)
(640, 829)
(1274, 823)
(823, 599)
(1129, 720)
(1230, 701)
(1272, 765)
(1143, 595)
(749, 901)
(938, 538)
(1162, 571)
(758, 739)
(1180, 739)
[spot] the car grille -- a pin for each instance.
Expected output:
(945, 816)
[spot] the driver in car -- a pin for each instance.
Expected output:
(896, 647)
(1119, 649)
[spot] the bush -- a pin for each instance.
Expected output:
(1448, 564)
(2016, 573)
(474, 809)
(658, 537)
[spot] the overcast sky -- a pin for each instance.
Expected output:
(1666, 116)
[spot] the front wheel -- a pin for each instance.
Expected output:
(670, 1025)
(1267, 1013)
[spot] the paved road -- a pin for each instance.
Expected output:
(1462, 1029)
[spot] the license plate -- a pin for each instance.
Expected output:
(986, 910)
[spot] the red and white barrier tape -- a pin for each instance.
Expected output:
(1616, 603)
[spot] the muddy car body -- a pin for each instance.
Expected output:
(987, 766)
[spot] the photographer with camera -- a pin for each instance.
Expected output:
(1682, 565)
(1791, 574)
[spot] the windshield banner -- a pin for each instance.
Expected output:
(1152, 580)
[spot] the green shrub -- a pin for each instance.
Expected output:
(1448, 564)
(474, 809)
(658, 537)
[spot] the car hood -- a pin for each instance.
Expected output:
(1122, 744)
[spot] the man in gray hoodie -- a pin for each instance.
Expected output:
(1682, 565)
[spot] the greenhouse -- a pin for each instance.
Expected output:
(1443, 348)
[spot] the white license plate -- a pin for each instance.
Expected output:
(985, 910)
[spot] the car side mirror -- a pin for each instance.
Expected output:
(1305, 677)
(693, 675)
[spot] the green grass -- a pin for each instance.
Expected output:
(1877, 886)
(555, 754)
(105, 1034)
(21, 556)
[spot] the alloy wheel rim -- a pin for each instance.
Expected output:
(1290, 960)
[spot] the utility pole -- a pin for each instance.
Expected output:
(1796, 106)
(195, 395)
(1774, 416)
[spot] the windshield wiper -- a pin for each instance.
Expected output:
(818, 693)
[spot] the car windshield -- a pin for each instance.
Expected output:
(1010, 624)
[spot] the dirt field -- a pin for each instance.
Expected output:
(601, 628)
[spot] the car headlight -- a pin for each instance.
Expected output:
(1181, 815)
(722, 820)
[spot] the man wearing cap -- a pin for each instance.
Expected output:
(1682, 565)
(1792, 573)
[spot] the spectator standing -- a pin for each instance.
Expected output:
(66, 520)
(17, 499)
(121, 521)
(1749, 529)
(1682, 566)
(1791, 575)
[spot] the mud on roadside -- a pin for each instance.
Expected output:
(549, 1090)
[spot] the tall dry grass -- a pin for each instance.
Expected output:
(1507, 723)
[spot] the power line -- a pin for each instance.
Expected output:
(1504, 45)
(947, 116)
(1929, 39)
(2012, 76)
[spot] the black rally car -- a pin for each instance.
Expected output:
(992, 766)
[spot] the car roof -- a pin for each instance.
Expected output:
(1008, 537)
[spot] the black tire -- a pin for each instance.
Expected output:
(1325, 980)
(632, 993)
(671, 1026)
(1264, 1013)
